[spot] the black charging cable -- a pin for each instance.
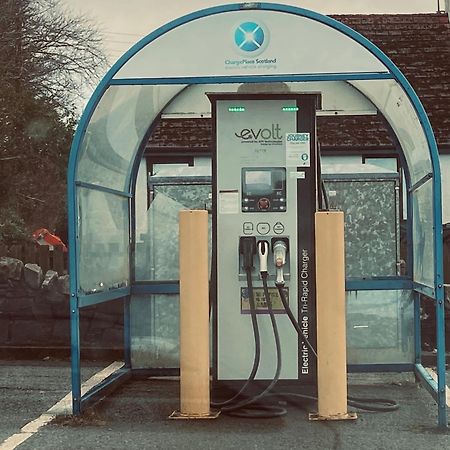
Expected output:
(291, 316)
(366, 404)
(247, 248)
(257, 339)
(248, 407)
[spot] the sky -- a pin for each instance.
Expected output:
(124, 22)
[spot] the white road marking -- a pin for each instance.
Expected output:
(63, 407)
(435, 378)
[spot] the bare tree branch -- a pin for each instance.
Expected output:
(48, 56)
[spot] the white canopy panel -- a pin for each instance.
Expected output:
(250, 43)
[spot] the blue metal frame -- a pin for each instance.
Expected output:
(107, 385)
(367, 368)
(417, 330)
(102, 297)
(421, 182)
(75, 353)
(378, 284)
(254, 79)
(156, 287)
(393, 72)
(127, 331)
(430, 385)
(96, 187)
(424, 289)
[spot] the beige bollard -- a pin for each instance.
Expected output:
(330, 314)
(194, 317)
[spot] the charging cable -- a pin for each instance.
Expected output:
(367, 404)
(247, 248)
(279, 258)
(248, 408)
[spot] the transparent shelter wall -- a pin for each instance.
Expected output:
(155, 318)
(423, 235)
(103, 244)
(380, 327)
(114, 134)
(155, 331)
(370, 251)
(157, 244)
(389, 97)
(116, 130)
(335, 96)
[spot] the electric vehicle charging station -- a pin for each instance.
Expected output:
(267, 195)
(159, 72)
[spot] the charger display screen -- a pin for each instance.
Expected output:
(258, 182)
(263, 189)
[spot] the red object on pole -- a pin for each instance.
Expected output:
(43, 237)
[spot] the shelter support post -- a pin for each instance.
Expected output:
(127, 332)
(417, 330)
(440, 366)
(75, 354)
(194, 317)
(331, 334)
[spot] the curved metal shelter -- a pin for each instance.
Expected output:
(300, 46)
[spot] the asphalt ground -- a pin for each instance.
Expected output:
(136, 416)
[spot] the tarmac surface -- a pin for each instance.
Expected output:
(135, 416)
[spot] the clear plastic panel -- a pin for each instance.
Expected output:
(369, 251)
(394, 104)
(103, 241)
(423, 234)
(157, 254)
(380, 327)
(155, 331)
(116, 130)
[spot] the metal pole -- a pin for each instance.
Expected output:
(75, 355)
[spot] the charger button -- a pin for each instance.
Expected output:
(278, 228)
(263, 203)
(263, 228)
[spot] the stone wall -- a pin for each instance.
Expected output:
(34, 312)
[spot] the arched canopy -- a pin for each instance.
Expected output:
(206, 47)
(211, 47)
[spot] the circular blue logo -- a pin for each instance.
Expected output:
(249, 36)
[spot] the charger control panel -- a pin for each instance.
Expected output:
(263, 189)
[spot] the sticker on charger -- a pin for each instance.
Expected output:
(301, 175)
(298, 150)
(260, 300)
(228, 202)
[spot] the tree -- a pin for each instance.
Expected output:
(47, 57)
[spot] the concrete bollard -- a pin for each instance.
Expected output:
(194, 317)
(331, 333)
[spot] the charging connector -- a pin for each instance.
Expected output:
(263, 253)
(247, 248)
(280, 249)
